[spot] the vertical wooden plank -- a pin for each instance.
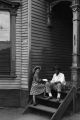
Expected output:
(24, 45)
(13, 40)
(74, 100)
(29, 44)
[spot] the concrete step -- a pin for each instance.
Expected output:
(43, 108)
(50, 100)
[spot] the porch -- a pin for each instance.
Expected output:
(58, 43)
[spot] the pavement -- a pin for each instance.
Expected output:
(17, 114)
(72, 117)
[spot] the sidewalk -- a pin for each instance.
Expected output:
(17, 114)
(72, 117)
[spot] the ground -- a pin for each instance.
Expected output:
(17, 114)
(72, 117)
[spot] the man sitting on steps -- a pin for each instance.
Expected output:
(57, 82)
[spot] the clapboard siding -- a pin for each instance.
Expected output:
(10, 83)
(12, 96)
(39, 32)
(18, 46)
(24, 54)
(50, 46)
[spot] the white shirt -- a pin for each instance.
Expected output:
(59, 78)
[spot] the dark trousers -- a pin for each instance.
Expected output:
(53, 86)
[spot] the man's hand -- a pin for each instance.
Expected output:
(57, 82)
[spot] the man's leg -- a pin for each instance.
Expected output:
(48, 89)
(58, 87)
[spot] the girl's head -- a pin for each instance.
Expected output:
(36, 69)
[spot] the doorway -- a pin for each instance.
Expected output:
(62, 41)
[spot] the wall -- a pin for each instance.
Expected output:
(14, 90)
(62, 32)
(14, 83)
(24, 54)
(40, 35)
(21, 50)
(45, 45)
(50, 46)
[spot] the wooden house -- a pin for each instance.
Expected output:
(41, 32)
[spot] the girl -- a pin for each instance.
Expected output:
(37, 86)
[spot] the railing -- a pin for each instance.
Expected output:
(63, 106)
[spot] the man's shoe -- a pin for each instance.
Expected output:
(45, 96)
(58, 99)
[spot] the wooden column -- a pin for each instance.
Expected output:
(13, 41)
(76, 44)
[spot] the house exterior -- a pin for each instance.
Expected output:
(42, 32)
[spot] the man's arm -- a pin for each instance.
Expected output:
(63, 79)
(53, 79)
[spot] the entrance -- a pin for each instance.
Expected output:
(52, 46)
(61, 37)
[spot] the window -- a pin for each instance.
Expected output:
(8, 12)
(5, 59)
(4, 26)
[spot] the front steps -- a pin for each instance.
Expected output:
(43, 108)
(52, 106)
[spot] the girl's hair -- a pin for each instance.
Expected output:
(35, 68)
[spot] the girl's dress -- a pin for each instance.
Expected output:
(37, 87)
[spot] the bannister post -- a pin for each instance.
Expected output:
(74, 99)
(76, 43)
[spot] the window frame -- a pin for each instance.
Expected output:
(11, 7)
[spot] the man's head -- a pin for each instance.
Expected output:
(57, 69)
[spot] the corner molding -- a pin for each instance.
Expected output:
(9, 5)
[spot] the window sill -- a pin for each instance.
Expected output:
(8, 76)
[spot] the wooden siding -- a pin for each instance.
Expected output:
(40, 36)
(24, 55)
(50, 46)
(22, 51)
(10, 83)
(18, 46)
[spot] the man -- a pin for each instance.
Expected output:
(57, 82)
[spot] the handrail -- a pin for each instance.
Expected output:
(63, 106)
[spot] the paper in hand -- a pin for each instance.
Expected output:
(45, 80)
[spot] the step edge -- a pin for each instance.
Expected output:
(34, 107)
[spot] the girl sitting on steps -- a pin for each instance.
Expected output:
(38, 87)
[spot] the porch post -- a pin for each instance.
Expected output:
(76, 44)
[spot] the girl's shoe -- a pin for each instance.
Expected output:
(50, 97)
(34, 104)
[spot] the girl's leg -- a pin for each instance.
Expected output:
(34, 100)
